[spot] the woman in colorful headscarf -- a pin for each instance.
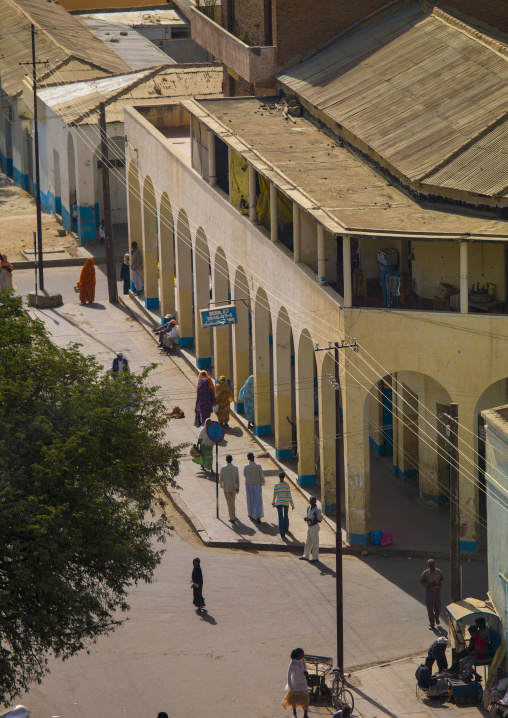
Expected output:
(205, 447)
(205, 400)
(86, 282)
(247, 396)
(204, 375)
(223, 399)
(5, 272)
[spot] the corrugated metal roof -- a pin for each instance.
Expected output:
(80, 103)
(139, 17)
(414, 88)
(137, 51)
(61, 37)
(335, 186)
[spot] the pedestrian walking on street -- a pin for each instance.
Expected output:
(119, 364)
(432, 580)
(313, 519)
(297, 690)
(230, 483)
(86, 282)
(102, 231)
(5, 272)
(246, 396)
(254, 480)
(282, 499)
(205, 448)
(204, 375)
(197, 584)
(223, 399)
(125, 273)
(205, 400)
(137, 267)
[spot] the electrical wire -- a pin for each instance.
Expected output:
(305, 321)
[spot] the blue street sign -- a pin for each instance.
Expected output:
(215, 431)
(218, 317)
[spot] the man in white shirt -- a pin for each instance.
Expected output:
(254, 480)
(313, 520)
(230, 483)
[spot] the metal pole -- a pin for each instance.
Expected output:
(37, 178)
(217, 477)
(35, 261)
(454, 506)
(110, 258)
(338, 502)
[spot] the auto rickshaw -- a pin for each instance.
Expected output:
(461, 615)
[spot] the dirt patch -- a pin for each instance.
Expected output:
(18, 222)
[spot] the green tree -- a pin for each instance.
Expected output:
(82, 460)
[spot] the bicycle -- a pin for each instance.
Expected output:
(341, 696)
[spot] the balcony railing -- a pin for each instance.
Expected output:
(255, 64)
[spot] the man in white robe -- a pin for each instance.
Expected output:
(254, 480)
(137, 267)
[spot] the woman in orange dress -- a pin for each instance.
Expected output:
(86, 282)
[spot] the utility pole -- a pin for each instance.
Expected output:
(34, 63)
(110, 258)
(339, 461)
(454, 506)
(339, 451)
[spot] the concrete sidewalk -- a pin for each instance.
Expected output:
(103, 329)
(389, 691)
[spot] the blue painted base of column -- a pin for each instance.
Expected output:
(20, 179)
(408, 475)
(186, 341)
(330, 509)
(380, 450)
(284, 453)
(152, 302)
(265, 430)
(307, 480)
(437, 499)
(9, 167)
(467, 546)
(203, 362)
(358, 539)
(239, 406)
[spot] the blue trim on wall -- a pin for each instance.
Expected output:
(86, 224)
(437, 499)
(58, 205)
(3, 163)
(20, 180)
(239, 406)
(9, 168)
(264, 430)
(66, 218)
(467, 546)
(358, 539)
(185, 341)
(203, 362)
(152, 302)
(307, 480)
(330, 509)
(283, 454)
(380, 450)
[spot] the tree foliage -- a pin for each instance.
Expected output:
(82, 458)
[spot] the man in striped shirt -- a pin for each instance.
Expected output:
(282, 499)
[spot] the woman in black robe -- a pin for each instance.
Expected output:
(197, 584)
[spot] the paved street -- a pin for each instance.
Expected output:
(261, 604)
